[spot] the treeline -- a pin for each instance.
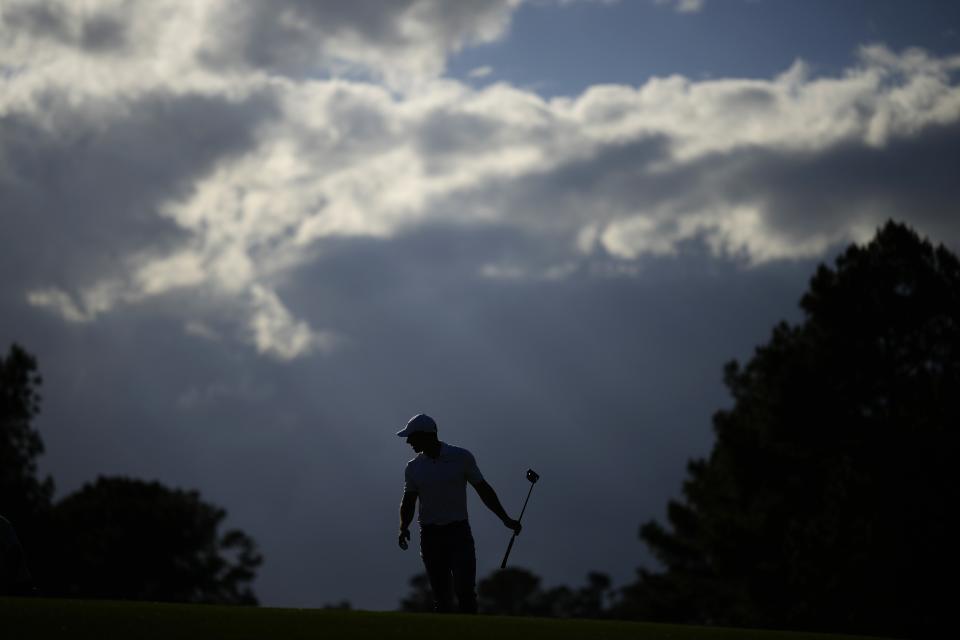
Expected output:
(116, 537)
(517, 592)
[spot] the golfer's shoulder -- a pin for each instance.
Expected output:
(458, 452)
(454, 450)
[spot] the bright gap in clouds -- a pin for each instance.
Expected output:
(562, 53)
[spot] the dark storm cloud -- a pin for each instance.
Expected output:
(355, 126)
(806, 193)
(96, 32)
(750, 99)
(620, 171)
(802, 194)
(810, 193)
(42, 19)
(445, 133)
(594, 186)
(282, 34)
(301, 36)
(103, 33)
(81, 187)
(912, 179)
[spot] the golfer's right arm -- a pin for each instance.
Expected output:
(408, 506)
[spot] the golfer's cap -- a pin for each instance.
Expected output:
(419, 422)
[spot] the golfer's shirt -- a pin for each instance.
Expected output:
(441, 483)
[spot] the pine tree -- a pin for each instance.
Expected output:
(24, 498)
(825, 500)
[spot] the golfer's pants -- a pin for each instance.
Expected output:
(451, 562)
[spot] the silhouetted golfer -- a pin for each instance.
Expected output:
(439, 476)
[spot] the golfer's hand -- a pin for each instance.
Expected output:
(404, 536)
(513, 524)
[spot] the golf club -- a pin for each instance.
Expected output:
(532, 477)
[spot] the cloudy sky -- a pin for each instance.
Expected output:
(248, 240)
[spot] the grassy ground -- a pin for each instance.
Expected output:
(40, 619)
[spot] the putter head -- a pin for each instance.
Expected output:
(532, 475)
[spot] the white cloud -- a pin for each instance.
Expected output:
(516, 272)
(277, 333)
(625, 171)
(59, 302)
(206, 41)
(182, 269)
(683, 6)
(201, 330)
(480, 72)
(737, 230)
(91, 302)
(631, 237)
(569, 2)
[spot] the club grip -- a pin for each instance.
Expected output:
(503, 565)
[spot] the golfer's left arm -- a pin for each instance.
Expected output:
(408, 507)
(489, 497)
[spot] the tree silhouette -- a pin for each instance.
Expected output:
(509, 592)
(517, 592)
(825, 500)
(589, 601)
(118, 537)
(130, 539)
(420, 598)
(23, 497)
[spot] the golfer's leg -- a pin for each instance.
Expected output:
(465, 570)
(436, 560)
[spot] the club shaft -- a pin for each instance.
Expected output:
(525, 503)
(503, 565)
